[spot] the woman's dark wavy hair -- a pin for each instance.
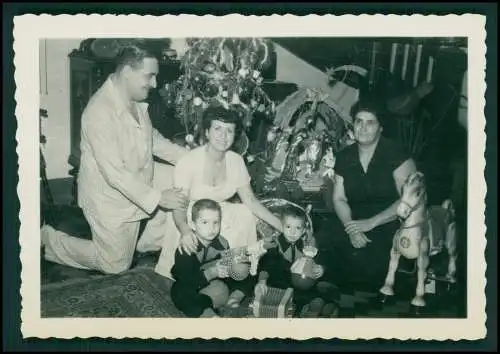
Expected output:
(224, 115)
(372, 104)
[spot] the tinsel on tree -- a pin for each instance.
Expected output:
(220, 71)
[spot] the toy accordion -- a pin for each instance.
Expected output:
(276, 303)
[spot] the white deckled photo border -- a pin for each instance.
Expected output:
(29, 29)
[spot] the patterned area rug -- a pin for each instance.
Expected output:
(138, 293)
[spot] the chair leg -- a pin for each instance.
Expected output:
(45, 182)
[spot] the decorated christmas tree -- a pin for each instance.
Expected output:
(220, 71)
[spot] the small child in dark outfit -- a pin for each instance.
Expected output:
(198, 275)
(275, 265)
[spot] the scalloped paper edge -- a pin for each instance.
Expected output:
(29, 29)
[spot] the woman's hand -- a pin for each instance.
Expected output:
(188, 242)
(359, 226)
(359, 239)
(260, 211)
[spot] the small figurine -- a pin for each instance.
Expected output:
(281, 151)
(328, 162)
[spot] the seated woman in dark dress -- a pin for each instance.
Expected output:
(369, 176)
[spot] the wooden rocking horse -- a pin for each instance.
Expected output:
(423, 233)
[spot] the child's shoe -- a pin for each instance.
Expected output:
(312, 309)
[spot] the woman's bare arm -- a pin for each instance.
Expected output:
(250, 200)
(340, 203)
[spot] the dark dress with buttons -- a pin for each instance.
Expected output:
(368, 193)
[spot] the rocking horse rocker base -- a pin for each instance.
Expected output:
(423, 233)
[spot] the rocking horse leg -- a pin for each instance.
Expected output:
(451, 240)
(387, 289)
(422, 264)
(451, 246)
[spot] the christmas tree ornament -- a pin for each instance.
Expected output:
(243, 72)
(211, 89)
(209, 68)
(236, 99)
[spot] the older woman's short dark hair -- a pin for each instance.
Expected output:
(223, 115)
(134, 53)
(372, 104)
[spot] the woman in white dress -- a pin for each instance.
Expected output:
(214, 171)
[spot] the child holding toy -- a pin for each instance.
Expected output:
(276, 267)
(202, 281)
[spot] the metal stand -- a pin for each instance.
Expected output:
(45, 182)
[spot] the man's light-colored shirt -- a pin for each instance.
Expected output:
(115, 180)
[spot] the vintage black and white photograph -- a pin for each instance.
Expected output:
(283, 172)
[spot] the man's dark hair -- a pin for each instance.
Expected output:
(204, 204)
(134, 53)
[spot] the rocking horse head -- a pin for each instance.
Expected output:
(413, 195)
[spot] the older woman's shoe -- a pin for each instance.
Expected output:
(330, 310)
